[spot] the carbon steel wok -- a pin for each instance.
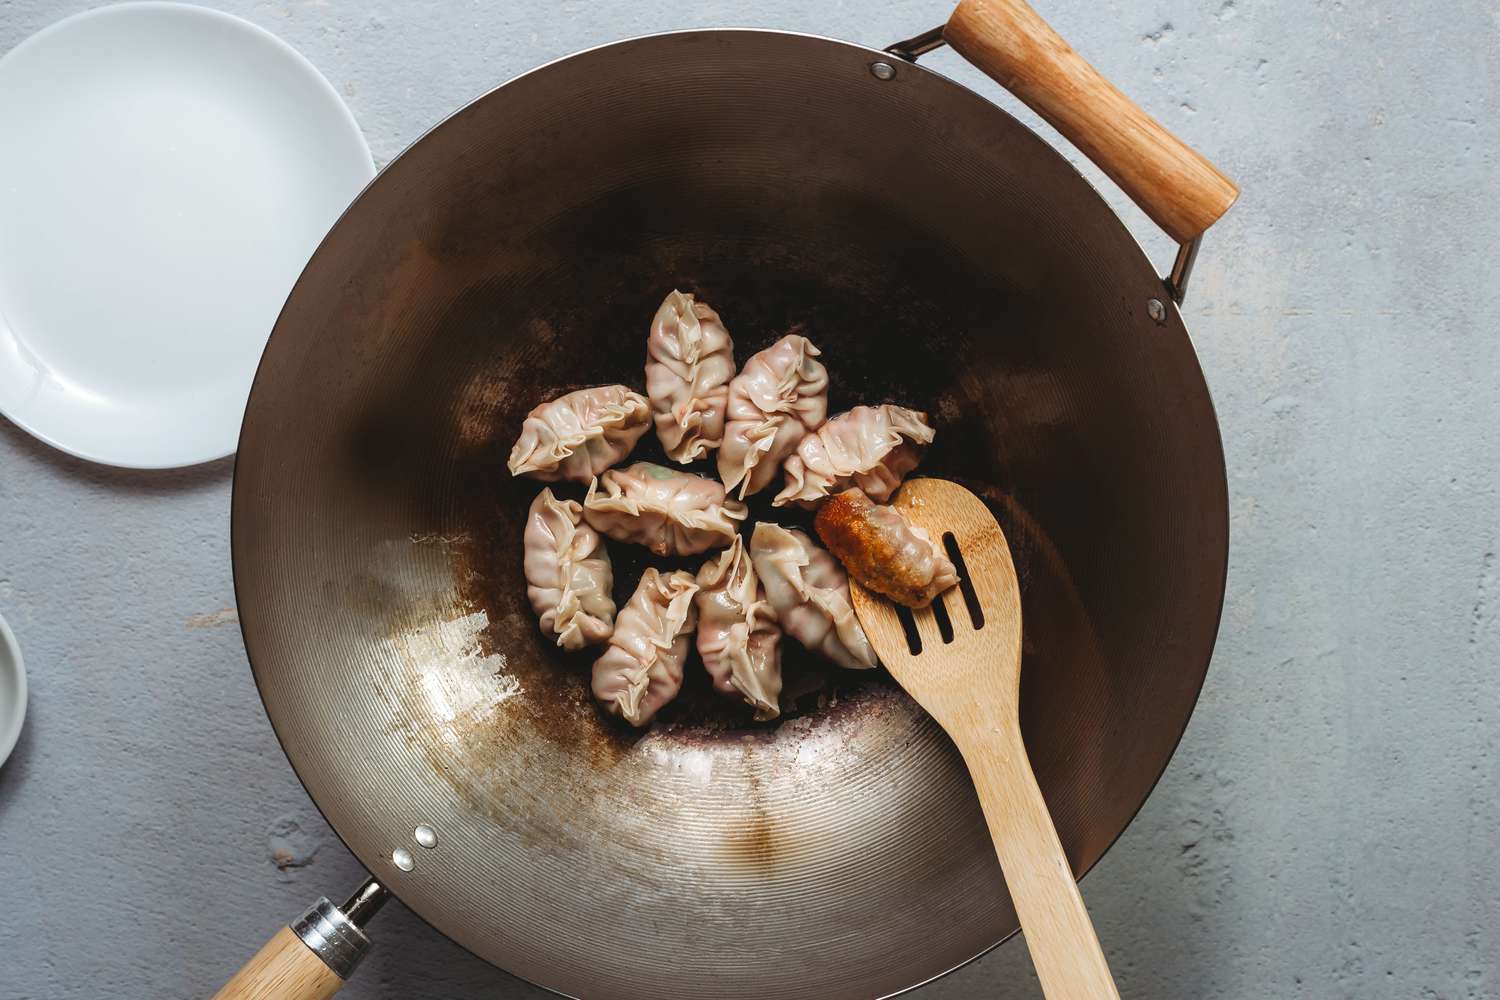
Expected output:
(942, 256)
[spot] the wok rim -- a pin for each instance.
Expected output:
(1103, 206)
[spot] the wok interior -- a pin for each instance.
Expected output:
(941, 257)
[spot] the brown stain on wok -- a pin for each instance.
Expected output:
(751, 840)
(754, 844)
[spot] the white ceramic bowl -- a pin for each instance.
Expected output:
(12, 691)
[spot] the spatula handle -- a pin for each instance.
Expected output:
(1063, 945)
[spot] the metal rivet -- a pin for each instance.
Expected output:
(425, 835)
(883, 70)
(402, 859)
(1156, 310)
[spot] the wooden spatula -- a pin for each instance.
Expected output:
(966, 672)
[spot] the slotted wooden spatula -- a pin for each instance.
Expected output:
(966, 672)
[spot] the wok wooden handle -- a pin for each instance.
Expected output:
(313, 957)
(1177, 187)
(285, 969)
(1058, 932)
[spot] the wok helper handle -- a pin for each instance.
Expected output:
(1177, 187)
(313, 957)
(1059, 935)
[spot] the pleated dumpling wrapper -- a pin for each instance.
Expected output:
(672, 513)
(883, 550)
(568, 574)
(777, 398)
(738, 636)
(869, 447)
(810, 594)
(641, 670)
(690, 360)
(577, 436)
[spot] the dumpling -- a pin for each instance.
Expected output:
(568, 573)
(690, 360)
(672, 513)
(883, 550)
(577, 436)
(871, 447)
(738, 637)
(642, 668)
(810, 595)
(777, 398)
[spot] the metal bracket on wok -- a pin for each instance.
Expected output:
(918, 45)
(913, 48)
(1182, 269)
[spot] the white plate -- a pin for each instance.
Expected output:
(12, 691)
(167, 172)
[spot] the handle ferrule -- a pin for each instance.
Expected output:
(333, 937)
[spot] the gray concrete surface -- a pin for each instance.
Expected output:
(1327, 828)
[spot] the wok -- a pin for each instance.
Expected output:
(942, 256)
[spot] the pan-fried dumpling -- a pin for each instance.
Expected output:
(871, 447)
(568, 574)
(642, 668)
(738, 637)
(810, 593)
(577, 436)
(883, 550)
(690, 362)
(777, 398)
(672, 513)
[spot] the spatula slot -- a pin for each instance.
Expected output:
(909, 626)
(944, 623)
(965, 585)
